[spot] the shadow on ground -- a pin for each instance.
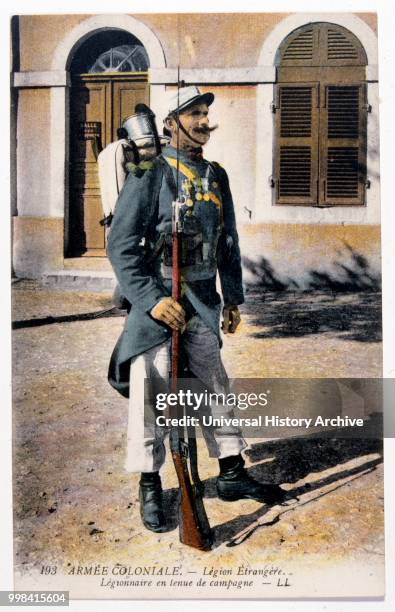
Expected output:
(112, 311)
(288, 461)
(346, 300)
(355, 316)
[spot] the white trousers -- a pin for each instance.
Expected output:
(145, 443)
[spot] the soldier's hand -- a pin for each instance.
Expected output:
(170, 312)
(231, 320)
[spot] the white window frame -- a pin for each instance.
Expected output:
(265, 210)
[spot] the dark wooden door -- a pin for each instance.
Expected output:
(98, 105)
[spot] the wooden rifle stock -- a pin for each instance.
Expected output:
(194, 527)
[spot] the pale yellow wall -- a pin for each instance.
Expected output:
(33, 152)
(205, 40)
(40, 35)
(293, 251)
(213, 40)
(37, 245)
(290, 252)
(233, 144)
(370, 19)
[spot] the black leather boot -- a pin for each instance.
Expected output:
(234, 483)
(151, 503)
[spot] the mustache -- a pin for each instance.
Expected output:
(205, 129)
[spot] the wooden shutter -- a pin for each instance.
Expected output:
(342, 47)
(299, 48)
(343, 144)
(320, 121)
(296, 154)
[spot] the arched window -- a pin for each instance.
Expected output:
(110, 51)
(125, 58)
(320, 118)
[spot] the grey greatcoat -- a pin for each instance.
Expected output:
(142, 217)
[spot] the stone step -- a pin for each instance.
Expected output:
(80, 280)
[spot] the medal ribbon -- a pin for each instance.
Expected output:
(192, 176)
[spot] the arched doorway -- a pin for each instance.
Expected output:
(108, 78)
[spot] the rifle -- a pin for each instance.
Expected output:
(193, 523)
(194, 528)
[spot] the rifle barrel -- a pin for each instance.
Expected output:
(194, 528)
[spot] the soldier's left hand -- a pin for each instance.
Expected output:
(231, 320)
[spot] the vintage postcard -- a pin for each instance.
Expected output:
(196, 198)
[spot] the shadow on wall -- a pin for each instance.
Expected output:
(352, 273)
(346, 301)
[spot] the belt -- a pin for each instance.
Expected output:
(190, 311)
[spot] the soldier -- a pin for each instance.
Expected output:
(139, 250)
(138, 142)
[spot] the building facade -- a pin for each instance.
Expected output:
(296, 101)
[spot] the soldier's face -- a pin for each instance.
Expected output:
(195, 122)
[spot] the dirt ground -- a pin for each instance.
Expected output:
(73, 501)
